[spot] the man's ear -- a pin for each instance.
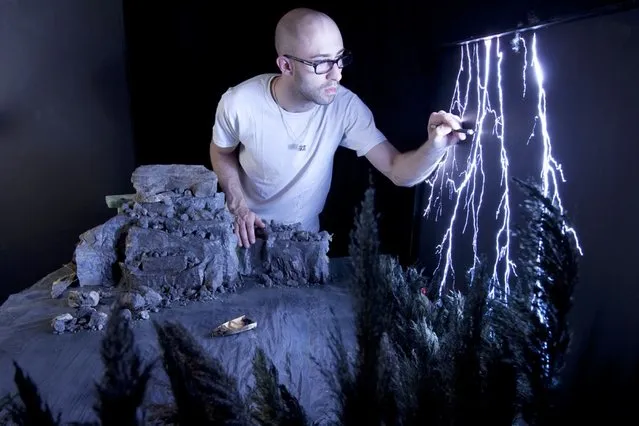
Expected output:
(284, 65)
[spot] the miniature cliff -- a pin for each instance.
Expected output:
(174, 238)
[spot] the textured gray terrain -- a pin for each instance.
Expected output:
(292, 321)
(169, 253)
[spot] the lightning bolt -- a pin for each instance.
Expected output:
(550, 166)
(466, 187)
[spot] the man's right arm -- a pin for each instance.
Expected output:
(223, 152)
(226, 167)
(225, 140)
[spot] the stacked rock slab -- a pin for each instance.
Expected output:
(176, 234)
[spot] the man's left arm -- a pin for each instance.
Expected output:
(413, 167)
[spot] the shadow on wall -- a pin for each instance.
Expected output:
(65, 137)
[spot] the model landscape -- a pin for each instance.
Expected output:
(419, 359)
(172, 241)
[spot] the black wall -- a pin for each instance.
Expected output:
(591, 68)
(65, 136)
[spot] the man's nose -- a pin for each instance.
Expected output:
(335, 73)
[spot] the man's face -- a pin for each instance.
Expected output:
(324, 42)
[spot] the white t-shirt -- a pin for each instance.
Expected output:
(287, 158)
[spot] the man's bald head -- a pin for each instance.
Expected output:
(297, 30)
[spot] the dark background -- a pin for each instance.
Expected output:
(90, 90)
(591, 68)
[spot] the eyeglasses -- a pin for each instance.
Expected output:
(325, 65)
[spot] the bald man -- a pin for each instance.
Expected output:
(275, 135)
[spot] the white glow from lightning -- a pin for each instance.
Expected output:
(466, 187)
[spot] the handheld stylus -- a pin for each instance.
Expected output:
(469, 132)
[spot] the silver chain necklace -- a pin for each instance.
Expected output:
(296, 145)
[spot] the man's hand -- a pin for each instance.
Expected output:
(244, 227)
(440, 130)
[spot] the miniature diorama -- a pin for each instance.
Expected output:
(173, 241)
(160, 318)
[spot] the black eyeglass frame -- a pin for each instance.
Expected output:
(346, 58)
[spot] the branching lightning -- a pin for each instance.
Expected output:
(466, 187)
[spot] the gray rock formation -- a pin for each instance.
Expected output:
(175, 236)
(155, 182)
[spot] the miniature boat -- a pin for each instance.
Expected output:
(234, 326)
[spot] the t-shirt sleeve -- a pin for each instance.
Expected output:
(360, 132)
(226, 127)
